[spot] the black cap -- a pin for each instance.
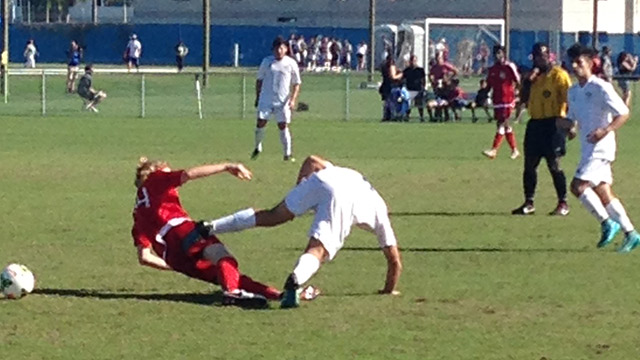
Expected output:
(539, 48)
(278, 41)
(577, 50)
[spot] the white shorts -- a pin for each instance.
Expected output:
(336, 212)
(281, 113)
(595, 171)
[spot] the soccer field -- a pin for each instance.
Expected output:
(478, 283)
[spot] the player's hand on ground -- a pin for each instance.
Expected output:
(389, 292)
(240, 171)
(596, 135)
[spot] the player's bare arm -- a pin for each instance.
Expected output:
(568, 125)
(237, 170)
(617, 122)
(394, 268)
(295, 91)
(146, 257)
(258, 89)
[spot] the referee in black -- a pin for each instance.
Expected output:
(542, 139)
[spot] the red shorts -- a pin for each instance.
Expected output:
(190, 262)
(502, 113)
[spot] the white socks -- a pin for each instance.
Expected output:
(591, 201)
(259, 137)
(305, 268)
(241, 220)
(618, 213)
(285, 139)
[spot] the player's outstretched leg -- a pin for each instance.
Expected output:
(618, 213)
(308, 264)
(593, 203)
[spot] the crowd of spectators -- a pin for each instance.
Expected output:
(323, 53)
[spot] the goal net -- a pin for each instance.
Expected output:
(466, 43)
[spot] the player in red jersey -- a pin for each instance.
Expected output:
(503, 79)
(167, 238)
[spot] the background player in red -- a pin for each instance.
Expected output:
(503, 79)
(167, 238)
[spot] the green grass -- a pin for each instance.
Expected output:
(478, 283)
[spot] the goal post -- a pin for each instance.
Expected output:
(481, 23)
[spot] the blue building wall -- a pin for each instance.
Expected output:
(106, 43)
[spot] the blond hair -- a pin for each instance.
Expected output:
(145, 168)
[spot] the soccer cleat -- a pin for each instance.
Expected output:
(609, 230)
(525, 209)
(244, 299)
(291, 294)
(289, 158)
(631, 241)
(254, 154)
(562, 209)
(515, 154)
(491, 154)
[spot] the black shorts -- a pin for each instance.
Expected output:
(89, 95)
(542, 138)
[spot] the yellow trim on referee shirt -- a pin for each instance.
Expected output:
(548, 96)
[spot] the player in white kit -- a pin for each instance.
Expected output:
(277, 89)
(597, 111)
(340, 198)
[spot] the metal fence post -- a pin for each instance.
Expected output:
(347, 102)
(244, 95)
(44, 94)
(142, 96)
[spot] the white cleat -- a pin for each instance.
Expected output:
(491, 154)
(515, 154)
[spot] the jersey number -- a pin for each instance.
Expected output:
(144, 200)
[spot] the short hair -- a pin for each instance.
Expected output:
(577, 50)
(88, 67)
(539, 48)
(497, 48)
(278, 41)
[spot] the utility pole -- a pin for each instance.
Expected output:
(507, 26)
(206, 40)
(5, 48)
(372, 39)
(594, 38)
(94, 12)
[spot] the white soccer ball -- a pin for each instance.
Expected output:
(16, 281)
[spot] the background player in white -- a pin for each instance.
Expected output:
(597, 111)
(340, 198)
(30, 53)
(277, 89)
(133, 52)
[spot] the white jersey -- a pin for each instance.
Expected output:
(341, 198)
(593, 106)
(277, 77)
(362, 49)
(30, 51)
(134, 48)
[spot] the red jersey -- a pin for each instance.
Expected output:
(502, 79)
(157, 211)
(439, 71)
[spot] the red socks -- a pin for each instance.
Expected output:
(228, 274)
(497, 140)
(511, 139)
(248, 284)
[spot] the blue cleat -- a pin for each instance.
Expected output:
(631, 240)
(290, 299)
(610, 229)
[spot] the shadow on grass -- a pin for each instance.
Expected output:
(471, 250)
(449, 213)
(192, 298)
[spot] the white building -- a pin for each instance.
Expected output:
(615, 16)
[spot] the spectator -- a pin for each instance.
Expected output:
(481, 100)
(132, 52)
(74, 55)
(181, 51)
(391, 78)
(347, 49)
(440, 71)
(361, 55)
(313, 54)
(414, 77)
(482, 57)
(455, 97)
(302, 48)
(627, 64)
(30, 53)
(606, 64)
(336, 50)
